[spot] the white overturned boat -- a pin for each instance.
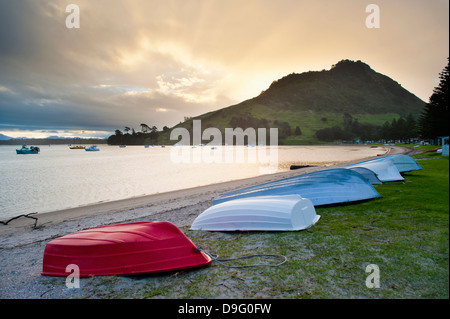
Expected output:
(330, 186)
(385, 169)
(265, 213)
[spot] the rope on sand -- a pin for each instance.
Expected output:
(221, 261)
(23, 215)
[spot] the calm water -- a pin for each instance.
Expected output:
(59, 177)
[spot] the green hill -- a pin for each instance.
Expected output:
(316, 100)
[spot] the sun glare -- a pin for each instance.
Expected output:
(38, 134)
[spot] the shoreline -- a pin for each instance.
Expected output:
(22, 246)
(180, 207)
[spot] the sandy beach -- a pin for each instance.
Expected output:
(22, 245)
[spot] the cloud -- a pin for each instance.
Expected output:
(158, 61)
(117, 68)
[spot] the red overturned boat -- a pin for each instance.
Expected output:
(123, 249)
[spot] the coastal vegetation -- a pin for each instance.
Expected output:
(434, 120)
(403, 129)
(145, 137)
(348, 103)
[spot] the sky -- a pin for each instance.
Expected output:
(157, 62)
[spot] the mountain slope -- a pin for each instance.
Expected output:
(351, 87)
(4, 137)
(319, 99)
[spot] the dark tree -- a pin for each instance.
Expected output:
(145, 128)
(411, 126)
(434, 121)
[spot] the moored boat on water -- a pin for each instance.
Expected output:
(78, 147)
(28, 150)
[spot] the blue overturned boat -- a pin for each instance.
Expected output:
(369, 175)
(385, 169)
(404, 163)
(389, 168)
(325, 187)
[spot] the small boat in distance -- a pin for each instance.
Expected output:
(325, 187)
(79, 147)
(92, 148)
(30, 150)
(123, 249)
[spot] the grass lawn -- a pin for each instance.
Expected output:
(405, 233)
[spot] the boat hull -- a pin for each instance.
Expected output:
(123, 249)
(384, 169)
(369, 175)
(403, 163)
(28, 150)
(266, 213)
(331, 186)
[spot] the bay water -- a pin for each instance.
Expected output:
(59, 177)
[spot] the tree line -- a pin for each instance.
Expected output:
(403, 129)
(434, 121)
(284, 128)
(147, 135)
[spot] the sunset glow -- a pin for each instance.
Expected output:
(155, 62)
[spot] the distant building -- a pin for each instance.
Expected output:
(444, 143)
